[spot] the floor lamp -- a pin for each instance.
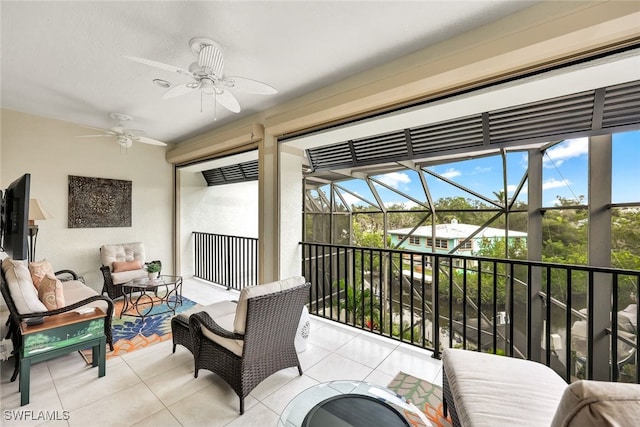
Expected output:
(36, 212)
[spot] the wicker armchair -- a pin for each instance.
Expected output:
(119, 253)
(260, 342)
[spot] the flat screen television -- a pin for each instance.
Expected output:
(15, 218)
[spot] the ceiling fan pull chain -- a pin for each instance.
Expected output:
(215, 106)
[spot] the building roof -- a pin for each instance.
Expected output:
(457, 231)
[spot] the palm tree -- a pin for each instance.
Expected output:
(359, 304)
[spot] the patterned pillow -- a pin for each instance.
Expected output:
(50, 292)
(39, 269)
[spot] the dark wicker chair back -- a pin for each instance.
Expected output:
(271, 325)
(114, 291)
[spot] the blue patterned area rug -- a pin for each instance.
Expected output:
(132, 333)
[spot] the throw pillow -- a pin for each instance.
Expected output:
(119, 266)
(50, 292)
(39, 269)
(23, 293)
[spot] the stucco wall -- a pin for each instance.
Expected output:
(230, 209)
(50, 151)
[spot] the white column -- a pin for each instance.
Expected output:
(600, 151)
(534, 250)
(291, 199)
(268, 201)
(280, 210)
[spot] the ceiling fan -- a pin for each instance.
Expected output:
(208, 75)
(124, 137)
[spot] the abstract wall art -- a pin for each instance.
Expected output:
(99, 202)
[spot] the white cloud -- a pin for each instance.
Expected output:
(409, 204)
(566, 150)
(480, 170)
(451, 173)
(351, 199)
(554, 183)
(394, 179)
(511, 188)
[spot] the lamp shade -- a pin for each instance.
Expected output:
(37, 211)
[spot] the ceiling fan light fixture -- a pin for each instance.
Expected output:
(207, 87)
(125, 142)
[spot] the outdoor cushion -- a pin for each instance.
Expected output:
(223, 313)
(122, 252)
(253, 291)
(598, 403)
(75, 290)
(25, 295)
(496, 391)
(125, 276)
(118, 256)
(214, 310)
(235, 346)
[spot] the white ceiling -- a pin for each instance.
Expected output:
(64, 60)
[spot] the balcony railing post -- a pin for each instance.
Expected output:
(599, 310)
(536, 310)
(435, 304)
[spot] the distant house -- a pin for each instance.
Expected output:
(448, 237)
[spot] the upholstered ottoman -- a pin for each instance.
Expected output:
(222, 312)
(483, 389)
(493, 391)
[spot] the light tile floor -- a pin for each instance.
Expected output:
(154, 387)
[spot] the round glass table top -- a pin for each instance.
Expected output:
(351, 404)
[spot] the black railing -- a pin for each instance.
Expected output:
(230, 261)
(560, 315)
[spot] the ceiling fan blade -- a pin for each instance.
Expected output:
(243, 84)
(110, 132)
(95, 136)
(159, 65)
(146, 140)
(179, 90)
(228, 101)
(131, 133)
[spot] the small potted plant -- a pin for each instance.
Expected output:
(153, 268)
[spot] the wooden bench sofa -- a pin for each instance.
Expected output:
(66, 312)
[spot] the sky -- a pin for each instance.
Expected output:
(565, 174)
